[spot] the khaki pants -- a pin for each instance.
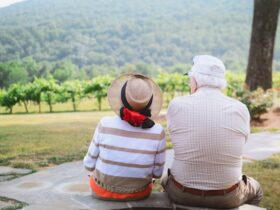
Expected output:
(249, 191)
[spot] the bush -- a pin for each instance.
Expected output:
(258, 101)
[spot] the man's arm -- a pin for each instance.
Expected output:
(247, 119)
(171, 114)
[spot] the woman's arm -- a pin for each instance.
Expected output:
(93, 151)
(159, 158)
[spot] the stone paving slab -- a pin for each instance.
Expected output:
(262, 145)
(4, 204)
(5, 170)
(6, 177)
(7, 173)
(54, 186)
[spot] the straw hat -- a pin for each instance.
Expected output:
(138, 92)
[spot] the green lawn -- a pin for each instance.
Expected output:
(83, 105)
(40, 140)
(37, 140)
(267, 172)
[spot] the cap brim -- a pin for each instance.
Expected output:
(114, 94)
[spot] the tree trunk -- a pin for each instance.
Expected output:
(25, 106)
(49, 100)
(74, 103)
(99, 103)
(39, 102)
(39, 106)
(259, 69)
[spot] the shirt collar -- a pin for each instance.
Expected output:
(210, 90)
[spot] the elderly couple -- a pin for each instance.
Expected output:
(208, 131)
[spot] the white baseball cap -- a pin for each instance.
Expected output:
(208, 65)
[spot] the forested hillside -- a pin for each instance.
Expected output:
(88, 37)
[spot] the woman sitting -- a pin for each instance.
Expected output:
(128, 150)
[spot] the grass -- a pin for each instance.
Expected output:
(34, 141)
(260, 129)
(84, 105)
(13, 204)
(267, 172)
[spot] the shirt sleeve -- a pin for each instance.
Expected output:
(93, 151)
(247, 119)
(169, 113)
(173, 115)
(160, 158)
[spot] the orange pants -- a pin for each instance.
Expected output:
(103, 193)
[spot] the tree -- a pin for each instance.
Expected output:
(99, 87)
(21, 94)
(17, 73)
(8, 100)
(12, 72)
(64, 71)
(4, 73)
(171, 84)
(40, 87)
(72, 90)
(36, 88)
(31, 67)
(259, 69)
(49, 90)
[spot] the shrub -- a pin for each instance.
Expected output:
(258, 101)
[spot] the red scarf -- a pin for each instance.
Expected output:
(135, 119)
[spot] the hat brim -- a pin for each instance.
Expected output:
(114, 94)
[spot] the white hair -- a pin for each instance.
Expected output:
(209, 81)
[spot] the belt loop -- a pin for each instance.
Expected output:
(183, 189)
(225, 192)
(202, 193)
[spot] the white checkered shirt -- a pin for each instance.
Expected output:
(208, 131)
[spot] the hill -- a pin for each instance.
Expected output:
(116, 33)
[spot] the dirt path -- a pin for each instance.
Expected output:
(269, 120)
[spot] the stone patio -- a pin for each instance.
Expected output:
(66, 186)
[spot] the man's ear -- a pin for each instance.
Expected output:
(193, 85)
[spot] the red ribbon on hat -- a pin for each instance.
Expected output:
(134, 118)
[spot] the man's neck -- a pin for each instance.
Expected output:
(208, 88)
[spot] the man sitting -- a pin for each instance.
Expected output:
(208, 131)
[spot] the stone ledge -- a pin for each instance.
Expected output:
(5, 170)
(8, 173)
(156, 201)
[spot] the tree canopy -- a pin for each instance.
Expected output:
(116, 33)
